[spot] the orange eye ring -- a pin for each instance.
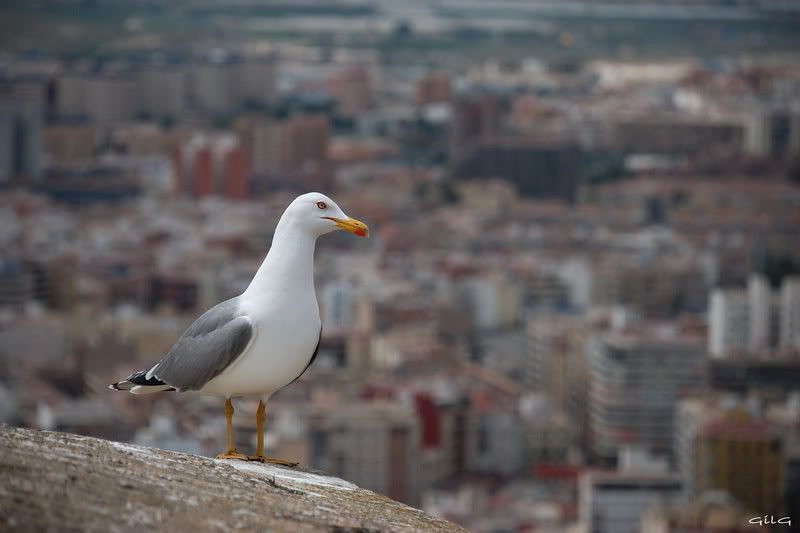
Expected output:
(322, 205)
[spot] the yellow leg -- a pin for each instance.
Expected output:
(231, 453)
(261, 417)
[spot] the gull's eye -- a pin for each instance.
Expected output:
(322, 205)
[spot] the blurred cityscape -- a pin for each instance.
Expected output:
(580, 307)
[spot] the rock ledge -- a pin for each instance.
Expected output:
(61, 482)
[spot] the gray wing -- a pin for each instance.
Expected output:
(207, 348)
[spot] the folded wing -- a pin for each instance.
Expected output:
(206, 349)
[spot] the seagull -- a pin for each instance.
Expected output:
(264, 339)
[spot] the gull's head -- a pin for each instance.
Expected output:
(316, 213)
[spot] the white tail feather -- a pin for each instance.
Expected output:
(145, 389)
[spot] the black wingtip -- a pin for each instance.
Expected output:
(140, 378)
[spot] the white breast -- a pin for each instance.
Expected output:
(283, 343)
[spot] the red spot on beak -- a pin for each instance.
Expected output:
(361, 232)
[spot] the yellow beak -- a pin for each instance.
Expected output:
(352, 225)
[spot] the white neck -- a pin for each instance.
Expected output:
(289, 262)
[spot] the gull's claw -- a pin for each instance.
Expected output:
(233, 454)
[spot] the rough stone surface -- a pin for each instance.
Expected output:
(60, 482)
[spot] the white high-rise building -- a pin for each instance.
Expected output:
(635, 378)
(222, 87)
(494, 301)
(71, 95)
(162, 91)
(759, 299)
(110, 98)
(211, 88)
(255, 81)
(790, 313)
(729, 326)
(755, 319)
